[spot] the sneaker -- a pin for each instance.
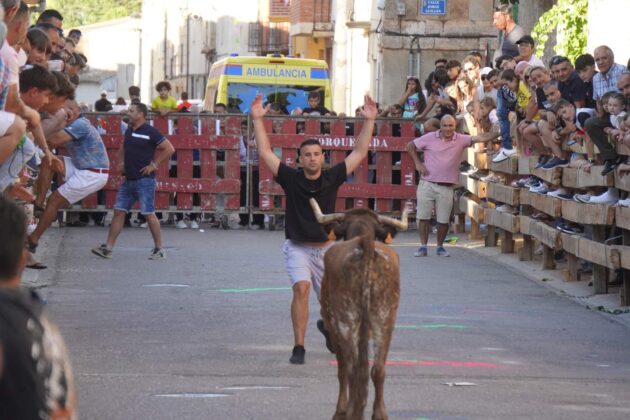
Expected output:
(555, 162)
(565, 196)
(542, 160)
(503, 155)
(421, 252)
(477, 174)
(582, 198)
(609, 197)
(624, 203)
(181, 225)
(144, 225)
(297, 357)
(520, 182)
(320, 327)
(570, 229)
(493, 178)
(157, 254)
(506, 208)
(540, 189)
(531, 181)
(102, 251)
(441, 252)
(464, 166)
(194, 224)
(610, 166)
(557, 192)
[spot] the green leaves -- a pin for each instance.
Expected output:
(569, 19)
(84, 12)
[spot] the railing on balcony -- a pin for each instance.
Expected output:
(266, 38)
(322, 21)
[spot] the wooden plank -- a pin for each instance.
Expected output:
(624, 293)
(547, 235)
(571, 273)
(504, 194)
(595, 252)
(491, 236)
(622, 181)
(508, 166)
(622, 217)
(546, 204)
(472, 209)
(525, 197)
(570, 243)
(527, 251)
(475, 186)
(527, 224)
(549, 263)
(600, 272)
(505, 221)
(578, 178)
(588, 214)
(507, 242)
(551, 176)
(526, 164)
(478, 159)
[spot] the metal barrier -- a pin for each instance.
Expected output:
(207, 163)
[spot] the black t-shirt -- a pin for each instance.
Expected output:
(541, 99)
(140, 145)
(35, 374)
(320, 110)
(102, 105)
(574, 89)
(300, 223)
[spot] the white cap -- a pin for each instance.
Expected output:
(104, 92)
(484, 71)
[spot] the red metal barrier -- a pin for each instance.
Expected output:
(187, 133)
(378, 178)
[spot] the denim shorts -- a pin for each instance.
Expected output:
(141, 190)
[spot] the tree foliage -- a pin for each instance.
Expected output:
(84, 12)
(569, 19)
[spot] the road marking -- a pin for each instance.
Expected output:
(252, 290)
(243, 388)
(185, 395)
(433, 326)
(452, 363)
(165, 285)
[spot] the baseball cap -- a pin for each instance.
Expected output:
(103, 92)
(484, 71)
(527, 40)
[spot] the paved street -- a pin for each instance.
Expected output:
(206, 334)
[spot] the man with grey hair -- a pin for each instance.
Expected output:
(439, 175)
(511, 31)
(603, 82)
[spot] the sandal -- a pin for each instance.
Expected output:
(37, 266)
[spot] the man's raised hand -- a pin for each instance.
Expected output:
(256, 110)
(369, 109)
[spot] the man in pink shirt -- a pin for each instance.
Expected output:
(439, 175)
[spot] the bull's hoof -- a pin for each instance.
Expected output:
(326, 334)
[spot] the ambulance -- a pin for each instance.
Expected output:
(236, 80)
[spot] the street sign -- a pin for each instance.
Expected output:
(433, 7)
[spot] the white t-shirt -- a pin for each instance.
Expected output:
(10, 59)
(535, 61)
(614, 119)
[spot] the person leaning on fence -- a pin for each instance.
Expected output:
(35, 373)
(306, 241)
(138, 167)
(439, 174)
(85, 170)
(164, 103)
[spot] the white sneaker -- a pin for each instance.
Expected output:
(540, 189)
(194, 225)
(624, 203)
(556, 192)
(506, 208)
(144, 225)
(503, 155)
(181, 225)
(583, 198)
(609, 197)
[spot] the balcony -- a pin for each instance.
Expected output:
(268, 38)
(312, 18)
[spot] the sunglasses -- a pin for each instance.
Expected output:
(557, 59)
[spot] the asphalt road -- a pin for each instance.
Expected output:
(206, 334)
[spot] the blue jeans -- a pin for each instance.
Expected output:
(141, 190)
(504, 122)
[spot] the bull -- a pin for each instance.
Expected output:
(359, 299)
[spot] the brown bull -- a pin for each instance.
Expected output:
(359, 298)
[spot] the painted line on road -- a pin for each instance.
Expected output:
(252, 290)
(187, 395)
(166, 285)
(433, 326)
(452, 363)
(254, 387)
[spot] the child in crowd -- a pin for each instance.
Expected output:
(616, 104)
(413, 100)
(506, 102)
(571, 129)
(164, 103)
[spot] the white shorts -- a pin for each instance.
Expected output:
(430, 195)
(79, 183)
(305, 263)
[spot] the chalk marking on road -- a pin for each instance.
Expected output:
(252, 290)
(433, 326)
(254, 387)
(189, 395)
(452, 363)
(166, 285)
(488, 311)
(493, 349)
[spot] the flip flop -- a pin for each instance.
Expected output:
(37, 266)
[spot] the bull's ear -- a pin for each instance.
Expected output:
(388, 239)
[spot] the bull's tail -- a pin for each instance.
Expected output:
(362, 369)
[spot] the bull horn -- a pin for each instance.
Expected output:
(398, 224)
(324, 218)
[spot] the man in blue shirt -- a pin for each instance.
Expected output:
(85, 170)
(137, 165)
